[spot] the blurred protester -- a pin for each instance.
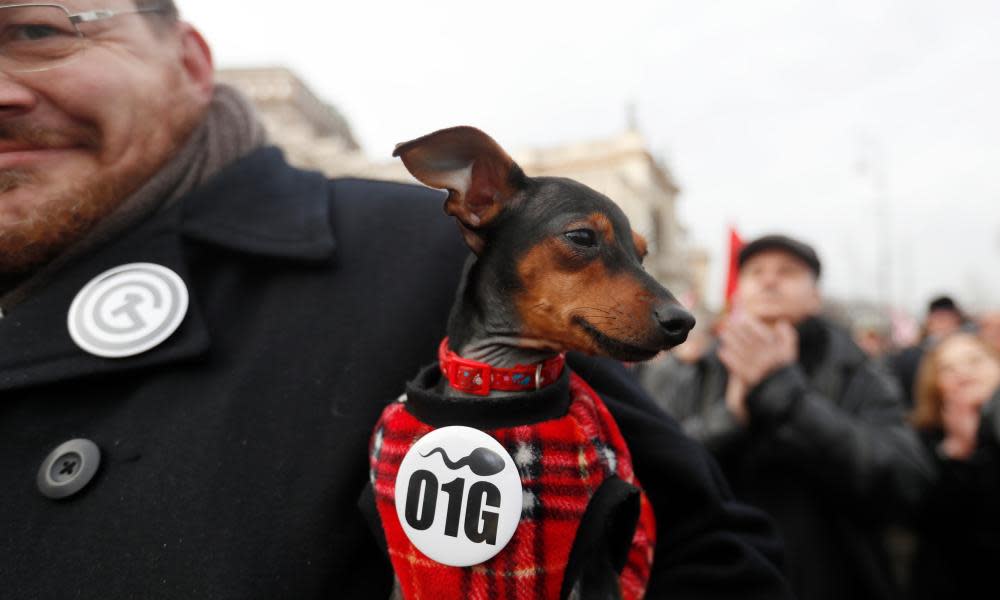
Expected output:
(806, 426)
(944, 317)
(959, 524)
(872, 334)
(989, 328)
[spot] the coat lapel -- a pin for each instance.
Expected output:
(35, 345)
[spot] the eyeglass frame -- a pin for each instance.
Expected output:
(88, 16)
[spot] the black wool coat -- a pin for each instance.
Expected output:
(233, 454)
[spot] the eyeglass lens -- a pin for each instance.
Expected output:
(33, 37)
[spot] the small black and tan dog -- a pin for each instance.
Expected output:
(556, 268)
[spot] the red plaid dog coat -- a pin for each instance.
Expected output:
(570, 448)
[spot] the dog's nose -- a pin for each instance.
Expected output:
(675, 322)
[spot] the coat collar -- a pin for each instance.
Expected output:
(257, 206)
(261, 206)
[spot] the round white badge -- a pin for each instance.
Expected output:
(128, 310)
(458, 496)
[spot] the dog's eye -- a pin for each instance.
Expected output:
(582, 237)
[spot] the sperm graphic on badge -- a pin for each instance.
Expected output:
(481, 461)
(458, 496)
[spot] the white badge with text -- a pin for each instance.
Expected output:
(128, 310)
(458, 496)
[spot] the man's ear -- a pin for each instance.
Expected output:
(480, 177)
(196, 59)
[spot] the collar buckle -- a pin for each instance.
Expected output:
(470, 376)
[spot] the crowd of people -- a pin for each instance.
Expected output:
(878, 465)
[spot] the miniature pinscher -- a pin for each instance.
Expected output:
(555, 268)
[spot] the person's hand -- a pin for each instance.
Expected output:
(751, 350)
(736, 399)
(961, 423)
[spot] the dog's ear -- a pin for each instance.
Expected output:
(479, 176)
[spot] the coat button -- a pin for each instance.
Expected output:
(68, 468)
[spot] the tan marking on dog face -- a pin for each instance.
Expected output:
(557, 289)
(602, 226)
(640, 245)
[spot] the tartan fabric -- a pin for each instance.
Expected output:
(561, 462)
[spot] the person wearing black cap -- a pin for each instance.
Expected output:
(806, 426)
(944, 317)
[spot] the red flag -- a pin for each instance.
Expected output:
(732, 277)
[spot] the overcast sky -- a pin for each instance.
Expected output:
(772, 115)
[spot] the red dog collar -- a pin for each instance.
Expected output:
(479, 378)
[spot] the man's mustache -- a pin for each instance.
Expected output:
(43, 137)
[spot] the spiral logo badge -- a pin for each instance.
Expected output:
(128, 310)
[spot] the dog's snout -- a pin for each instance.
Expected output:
(675, 321)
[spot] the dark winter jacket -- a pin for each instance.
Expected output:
(959, 521)
(232, 455)
(904, 365)
(826, 453)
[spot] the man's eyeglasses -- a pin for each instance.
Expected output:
(36, 37)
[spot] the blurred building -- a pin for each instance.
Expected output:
(315, 135)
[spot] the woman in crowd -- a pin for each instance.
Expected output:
(958, 416)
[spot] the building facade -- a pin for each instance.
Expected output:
(315, 135)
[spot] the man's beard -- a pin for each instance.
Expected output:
(12, 178)
(56, 223)
(69, 212)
